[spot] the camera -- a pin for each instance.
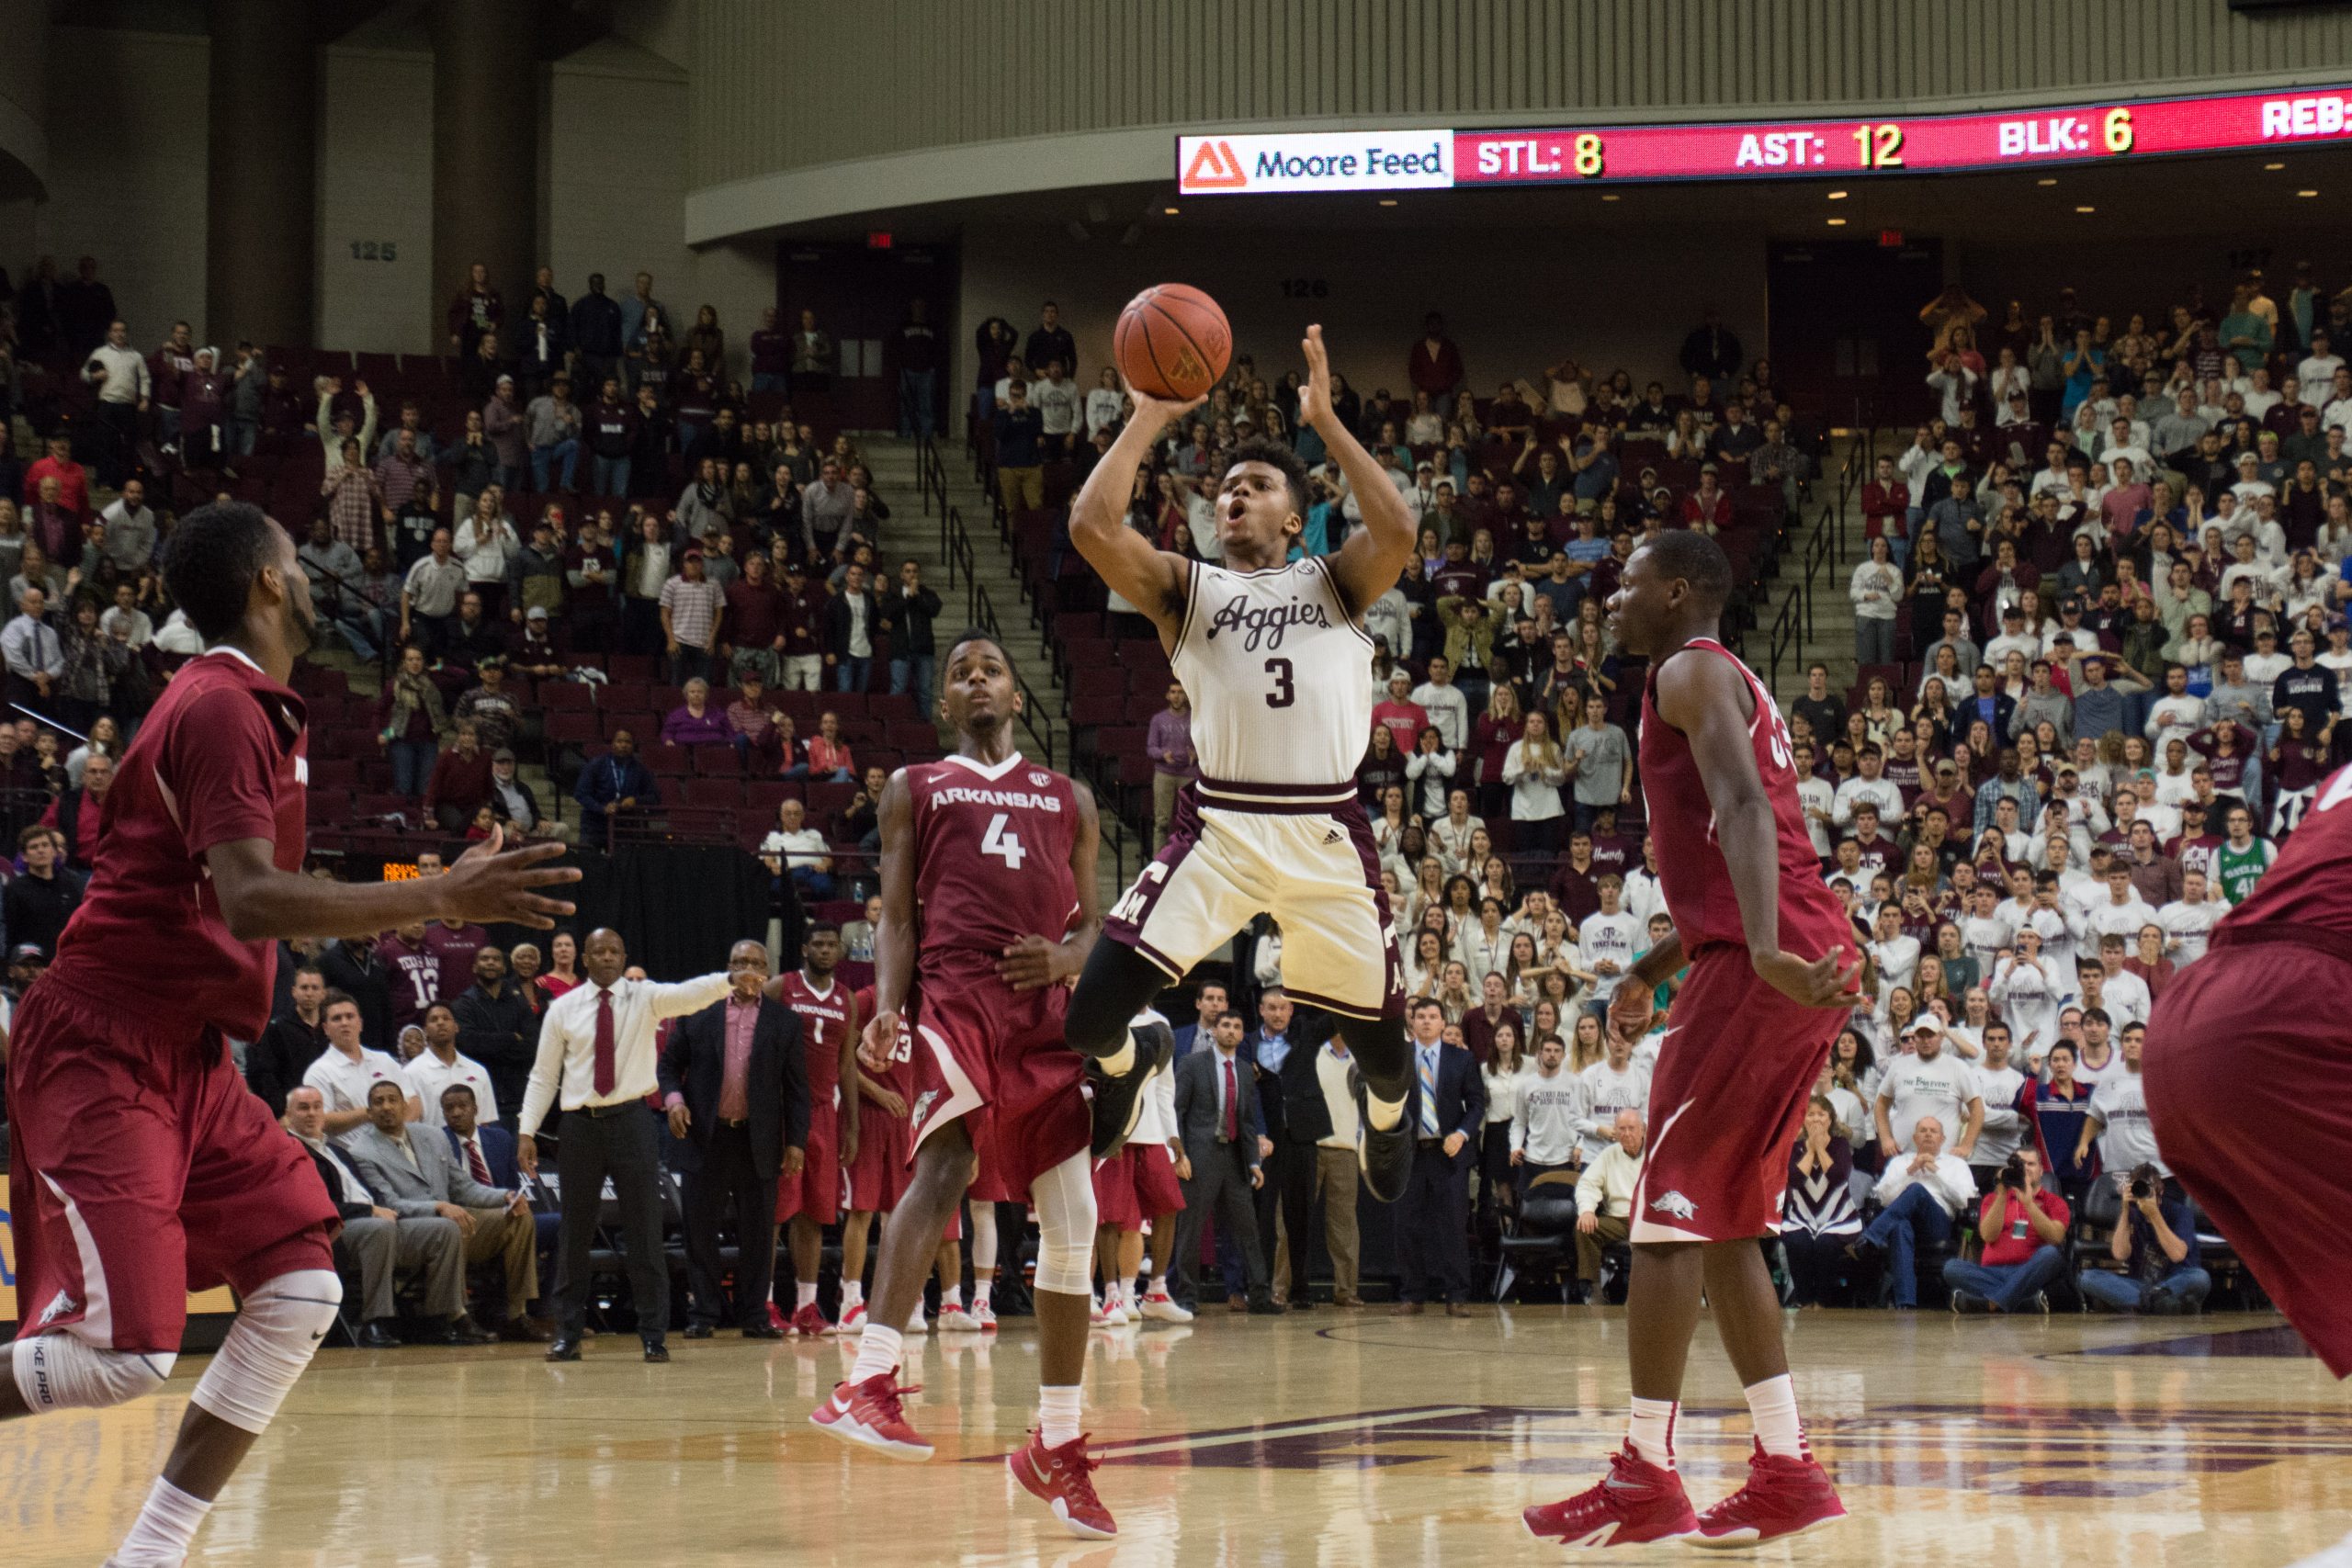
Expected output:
(2142, 1182)
(2013, 1173)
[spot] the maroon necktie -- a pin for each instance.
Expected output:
(1232, 1105)
(475, 1162)
(604, 1041)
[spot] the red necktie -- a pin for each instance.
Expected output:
(1232, 1105)
(604, 1041)
(474, 1161)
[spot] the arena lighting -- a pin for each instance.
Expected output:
(2045, 180)
(1422, 157)
(1837, 195)
(1836, 222)
(2086, 210)
(2273, 168)
(2307, 193)
(1387, 201)
(1168, 212)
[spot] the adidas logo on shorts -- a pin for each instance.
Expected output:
(1332, 837)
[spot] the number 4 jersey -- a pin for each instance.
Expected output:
(1274, 665)
(992, 847)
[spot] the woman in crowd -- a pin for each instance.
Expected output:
(1533, 768)
(1504, 1075)
(1819, 1221)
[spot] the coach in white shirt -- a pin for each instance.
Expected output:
(1923, 1195)
(597, 1059)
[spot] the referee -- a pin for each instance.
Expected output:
(596, 1058)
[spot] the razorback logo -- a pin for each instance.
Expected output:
(1676, 1204)
(1214, 167)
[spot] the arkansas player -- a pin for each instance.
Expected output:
(145, 1168)
(2251, 1101)
(811, 1199)
(1766, 995)
(989, 905)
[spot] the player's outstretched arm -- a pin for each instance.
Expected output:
(1368, 564)
(1709, 702)
(1150, 579)
(894, 935)
(489, 886)
(1036, 962)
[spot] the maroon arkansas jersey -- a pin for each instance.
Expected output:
(991, 862)
(824, 1025)
(1690, 868)
(220, 758)
(2311, 882)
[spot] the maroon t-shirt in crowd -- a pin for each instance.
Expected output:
(453, 949)
(222, 757)
(415, 982)
(754, 613)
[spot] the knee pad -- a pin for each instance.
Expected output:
(58, 1371)
(1064, 1197)
(277, 1328)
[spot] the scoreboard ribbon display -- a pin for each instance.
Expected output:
(1841, 148)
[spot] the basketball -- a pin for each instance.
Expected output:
(1171, 341)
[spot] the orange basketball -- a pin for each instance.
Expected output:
(1171, 341)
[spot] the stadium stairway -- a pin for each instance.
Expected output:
(991, 593)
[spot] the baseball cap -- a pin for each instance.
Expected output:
(501, 755)
(536, 613)
(693, 555)
(28, 951)
(1926, 1024)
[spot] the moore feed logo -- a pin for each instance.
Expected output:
(1314, 161)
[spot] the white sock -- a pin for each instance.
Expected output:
(1121, 1062)
(165, 1529)
(983, 1286)
(852, 1294)
(1382, 1114)
(951, 1298)
(877, 1352)
(1651, 1431)
(1150, 1283)
(1773, 1404)
(1057, 1414)
(808, 1293)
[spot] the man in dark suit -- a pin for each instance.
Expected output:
(1296, 1118)
(497, 1028)
(1216, 1105)
(487, 1154)
(738, 1099)
(1446, 1108)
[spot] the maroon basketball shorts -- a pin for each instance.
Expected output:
(995, 1059)
(144, 1169)
(817, 1190)
(2249, 1083)
(1738, 1062)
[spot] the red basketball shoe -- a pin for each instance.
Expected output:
(1063, 1478)
(810, 1321)
(1638, 1502)
(869, 1413)
(1783, 1497)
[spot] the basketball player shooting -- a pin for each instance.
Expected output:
(144, 1168)
(1273, 652)
(1766, 993)
(989, 906)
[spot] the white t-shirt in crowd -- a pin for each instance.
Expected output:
(1617, 937)
(1941, 1089)
(344, 1083)
(2120, 1106)
(2189, 927)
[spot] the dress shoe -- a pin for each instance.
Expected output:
(377, 1335)
(1237, 1304)
(1457, 1309)
(565, 1348)
(761, 1331)
(1304, 1303)
(1263, 1305)
(699, 1331)
(522, 1331)
(1405, 1309)
(466, 1331)
(444, 1332)
(656, 1352)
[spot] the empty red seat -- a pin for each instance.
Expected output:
(667, 760)
(726, 793)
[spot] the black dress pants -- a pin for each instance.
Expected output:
(728, 1182)
(621, 1145)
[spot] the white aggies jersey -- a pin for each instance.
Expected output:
(1273, 664)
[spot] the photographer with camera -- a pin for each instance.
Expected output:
(2155, 1240)
(2024, 1232)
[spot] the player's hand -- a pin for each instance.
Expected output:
(1030, 964)
(879, 1038)
(1824, 983)
(526, 1155)
(889, 1102)
(794, 1158)
(1629, 1011)
(493, 886)
(1158, 413)
(462, 1218)
(1184, 1167)
(1315, 398)
(681, 1120)
(1588, 1224)
(849, 1146)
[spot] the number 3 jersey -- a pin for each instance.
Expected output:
(1274, 665)
(992, 847)
(1691, 867)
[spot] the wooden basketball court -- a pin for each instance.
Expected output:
(1330, 1439)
